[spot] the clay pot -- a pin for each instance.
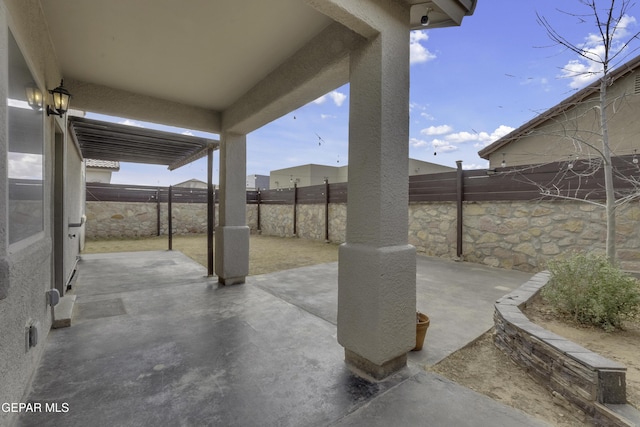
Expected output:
(422, 323)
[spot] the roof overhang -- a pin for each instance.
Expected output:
(117, 142)
(441, 13)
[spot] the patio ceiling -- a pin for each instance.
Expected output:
(109, 141)
(224, 65)
(205, 54)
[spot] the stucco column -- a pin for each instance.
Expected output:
(377, 267)
(232, 233)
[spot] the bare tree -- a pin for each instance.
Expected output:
(609, 19)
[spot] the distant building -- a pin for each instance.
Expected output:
(100, 170)
(192, 183)
(257, 182)
(312, 174)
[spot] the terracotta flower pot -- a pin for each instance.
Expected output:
(422, 323)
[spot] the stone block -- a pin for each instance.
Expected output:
(611, 386)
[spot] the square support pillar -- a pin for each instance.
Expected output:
(232, 233)
(377, 266)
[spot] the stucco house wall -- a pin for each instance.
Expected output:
(74, 208)
(25, 265)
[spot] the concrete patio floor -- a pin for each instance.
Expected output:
(156, 343)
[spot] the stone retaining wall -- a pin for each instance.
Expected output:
(578, 375)
(139, 219)
(310, 222)
(521, 235)
(276, 220)
(432, 228)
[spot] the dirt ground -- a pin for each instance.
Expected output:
(623, 346)
(266, 254)
(480, 366)
(484, 368)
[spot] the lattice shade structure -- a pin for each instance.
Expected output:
(116, 142)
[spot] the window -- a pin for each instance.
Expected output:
(26, 151)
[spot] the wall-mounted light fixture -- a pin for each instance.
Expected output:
(61, 97)
(504, 162)
(34, 96)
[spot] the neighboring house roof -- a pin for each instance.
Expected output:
(560, 108)
(103, 164)
(192, 183)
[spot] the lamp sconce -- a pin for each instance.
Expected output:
(34, 97)
(61, 97)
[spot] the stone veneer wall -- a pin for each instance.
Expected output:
(310, 221)
(432, 228)
(337, 222)
(138, 219)
(276, 220)
(521, 235)
(524, 235)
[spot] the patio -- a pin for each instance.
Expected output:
(156, 342)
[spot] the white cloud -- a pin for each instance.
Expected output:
(328, 116)
(187, 132)
(501, 131)
(473, 166)
(417, 52)
(24, 165)
(129, 122)
(481, 138)
(415, 142)
(443, 146)
(415, 107)
(461, 137)
(338, 98)
(437, 130)
(589, 67)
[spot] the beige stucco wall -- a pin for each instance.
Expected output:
(25, 266)
(74, 202)
(98, 175)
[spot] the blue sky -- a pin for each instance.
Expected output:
(469, 86)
